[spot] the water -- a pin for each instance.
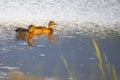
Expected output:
(67, 13)
(78, 22)
(43, 59)
(76, 11)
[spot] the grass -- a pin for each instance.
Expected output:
(100, 61)
(71, 75)
(115, 76)
(109, 72)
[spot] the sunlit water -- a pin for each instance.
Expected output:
(43, 59)
(78, 22)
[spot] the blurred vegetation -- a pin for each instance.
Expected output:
(107, 70)
(100, 70)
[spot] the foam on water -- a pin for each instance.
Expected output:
(27, 11)
(76, 14)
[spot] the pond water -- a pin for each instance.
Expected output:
(84, 28)
(69, 56)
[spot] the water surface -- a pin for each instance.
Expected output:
(43, 59)
(69, 54)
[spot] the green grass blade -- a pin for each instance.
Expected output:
(98, 55)
(68, 69)
(114, 73)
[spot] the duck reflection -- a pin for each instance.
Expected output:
(24, 34)
(49, 36)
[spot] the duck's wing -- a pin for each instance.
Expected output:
(21, 30)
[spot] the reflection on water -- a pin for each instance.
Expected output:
(24, 36)
(69, 57)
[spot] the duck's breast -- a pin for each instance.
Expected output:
(47, 31)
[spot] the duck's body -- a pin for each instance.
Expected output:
(38, 30)
(25, 35)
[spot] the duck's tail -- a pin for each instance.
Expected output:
(18, 29)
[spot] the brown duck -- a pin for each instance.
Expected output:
(38, 30)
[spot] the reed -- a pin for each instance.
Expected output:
(71, 75)
(115, 76)
(108, 68)
(100, 62)
(111, 73)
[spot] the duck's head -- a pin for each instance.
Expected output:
(51, 23)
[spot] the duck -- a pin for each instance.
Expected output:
(28, 34)
(38, 30)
